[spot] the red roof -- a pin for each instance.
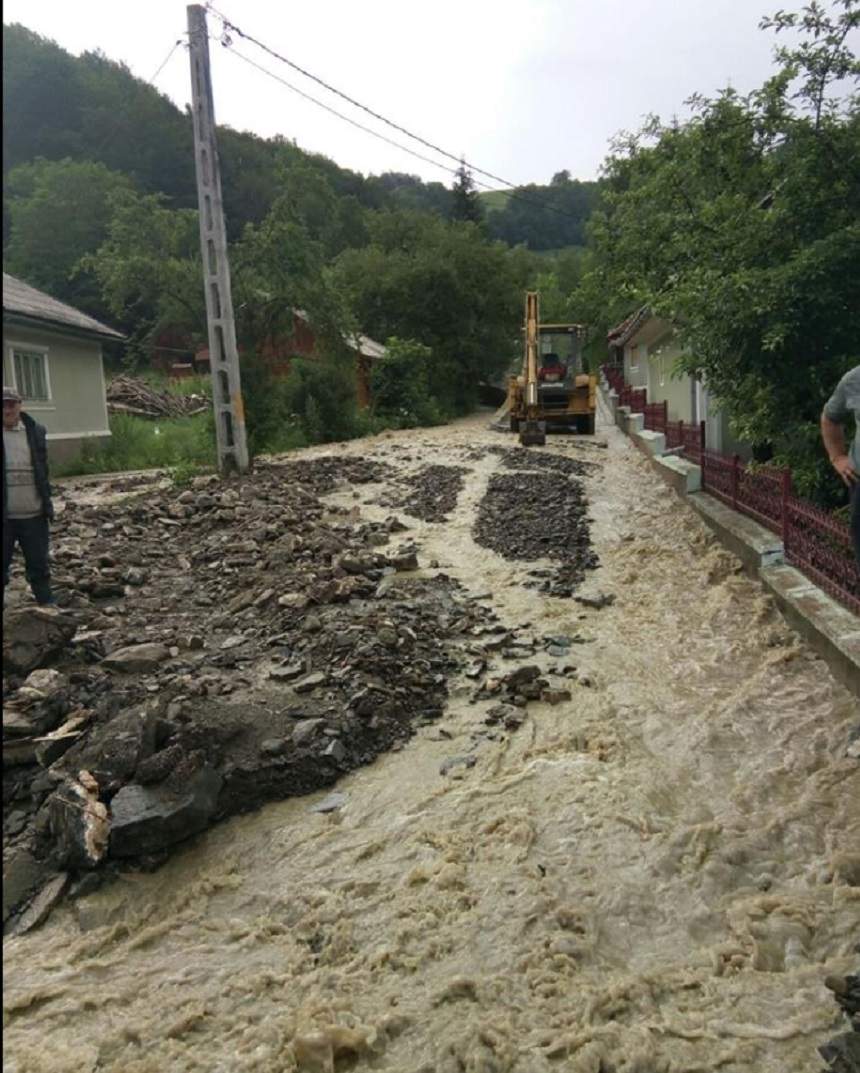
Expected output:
(628, 327)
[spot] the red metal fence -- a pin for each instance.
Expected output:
(821, 546)
(814, 541)
(689, 437)
(656, 416)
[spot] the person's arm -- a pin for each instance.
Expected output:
(834, 443)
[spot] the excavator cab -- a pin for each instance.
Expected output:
(553, 390)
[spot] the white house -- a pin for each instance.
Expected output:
(52, 355)
(650, 350)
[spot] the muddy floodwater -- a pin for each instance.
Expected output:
(652, 877)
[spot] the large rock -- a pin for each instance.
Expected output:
(22, 875)
(137, 659)
(38, 706)
(78, 822)
(113, 751)
(39, 909)
(145, 819)
(32, 636)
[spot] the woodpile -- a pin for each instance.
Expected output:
(128, 395)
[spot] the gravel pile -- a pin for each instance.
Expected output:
(434, 492)
(539, 516)
(214, 648)
(524, 458)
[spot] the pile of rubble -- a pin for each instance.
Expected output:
(434, 492)
(213, 648)
(522, 458)
(544, 517)
(129, 395)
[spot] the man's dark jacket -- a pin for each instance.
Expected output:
(37, 439)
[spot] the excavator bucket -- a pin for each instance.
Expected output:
(533, 433)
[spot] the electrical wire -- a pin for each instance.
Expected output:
(179, 41)
(112, 134)
(230, 26)
(390, 141)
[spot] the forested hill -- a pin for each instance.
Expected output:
(58, 106)
(90, 108)
(542, 217)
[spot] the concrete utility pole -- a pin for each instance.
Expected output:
(223, 354)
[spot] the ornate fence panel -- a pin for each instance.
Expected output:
(674, 434)
(638, 399)
(821, 547)
(656, 416)
(693, 441)
(761, 492)
(718, 477)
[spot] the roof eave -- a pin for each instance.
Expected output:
(60, 328)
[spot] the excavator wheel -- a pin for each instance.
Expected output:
(515, 424)
(533, 434)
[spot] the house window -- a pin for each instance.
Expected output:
(31, 374)
(634, 357)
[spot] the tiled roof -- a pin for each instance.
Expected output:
(367, 347)
(22, 300)
(628, 327)
(361, 344)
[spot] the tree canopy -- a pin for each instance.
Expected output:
(741, 226)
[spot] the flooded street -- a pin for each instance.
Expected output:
(652, 877)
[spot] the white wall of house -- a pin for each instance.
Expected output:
(62, 380)
(666, 383)
(651, 359)
(636, 364)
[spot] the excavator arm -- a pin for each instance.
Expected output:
(532, 430)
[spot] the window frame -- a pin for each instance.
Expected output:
(31, 348)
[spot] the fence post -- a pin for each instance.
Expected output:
(785, 492)
(735, 466)
(665, 416)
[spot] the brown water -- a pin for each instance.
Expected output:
(649, 879)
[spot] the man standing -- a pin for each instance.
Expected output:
(27, 508)
(845, 402)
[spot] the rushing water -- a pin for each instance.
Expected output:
(653, 878)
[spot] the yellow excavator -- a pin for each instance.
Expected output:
(553, 389)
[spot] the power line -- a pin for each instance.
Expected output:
(340, 115)
(112, 133)
(231, 26)
(167, 58)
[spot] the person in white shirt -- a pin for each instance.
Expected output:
(27, 507)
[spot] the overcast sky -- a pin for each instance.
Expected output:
(523, 90)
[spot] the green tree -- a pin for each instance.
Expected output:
(400, 385)
(149, 268)
(742, 227)
(59, 211)
(443, 285)
(546, 217)
(465, 203)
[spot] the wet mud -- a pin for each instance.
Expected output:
(650, 866)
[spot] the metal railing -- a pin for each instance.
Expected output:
(817, 543)
(688, 436)
(656, 416)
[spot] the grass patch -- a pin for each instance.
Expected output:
(138, 443)
(494, 200)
